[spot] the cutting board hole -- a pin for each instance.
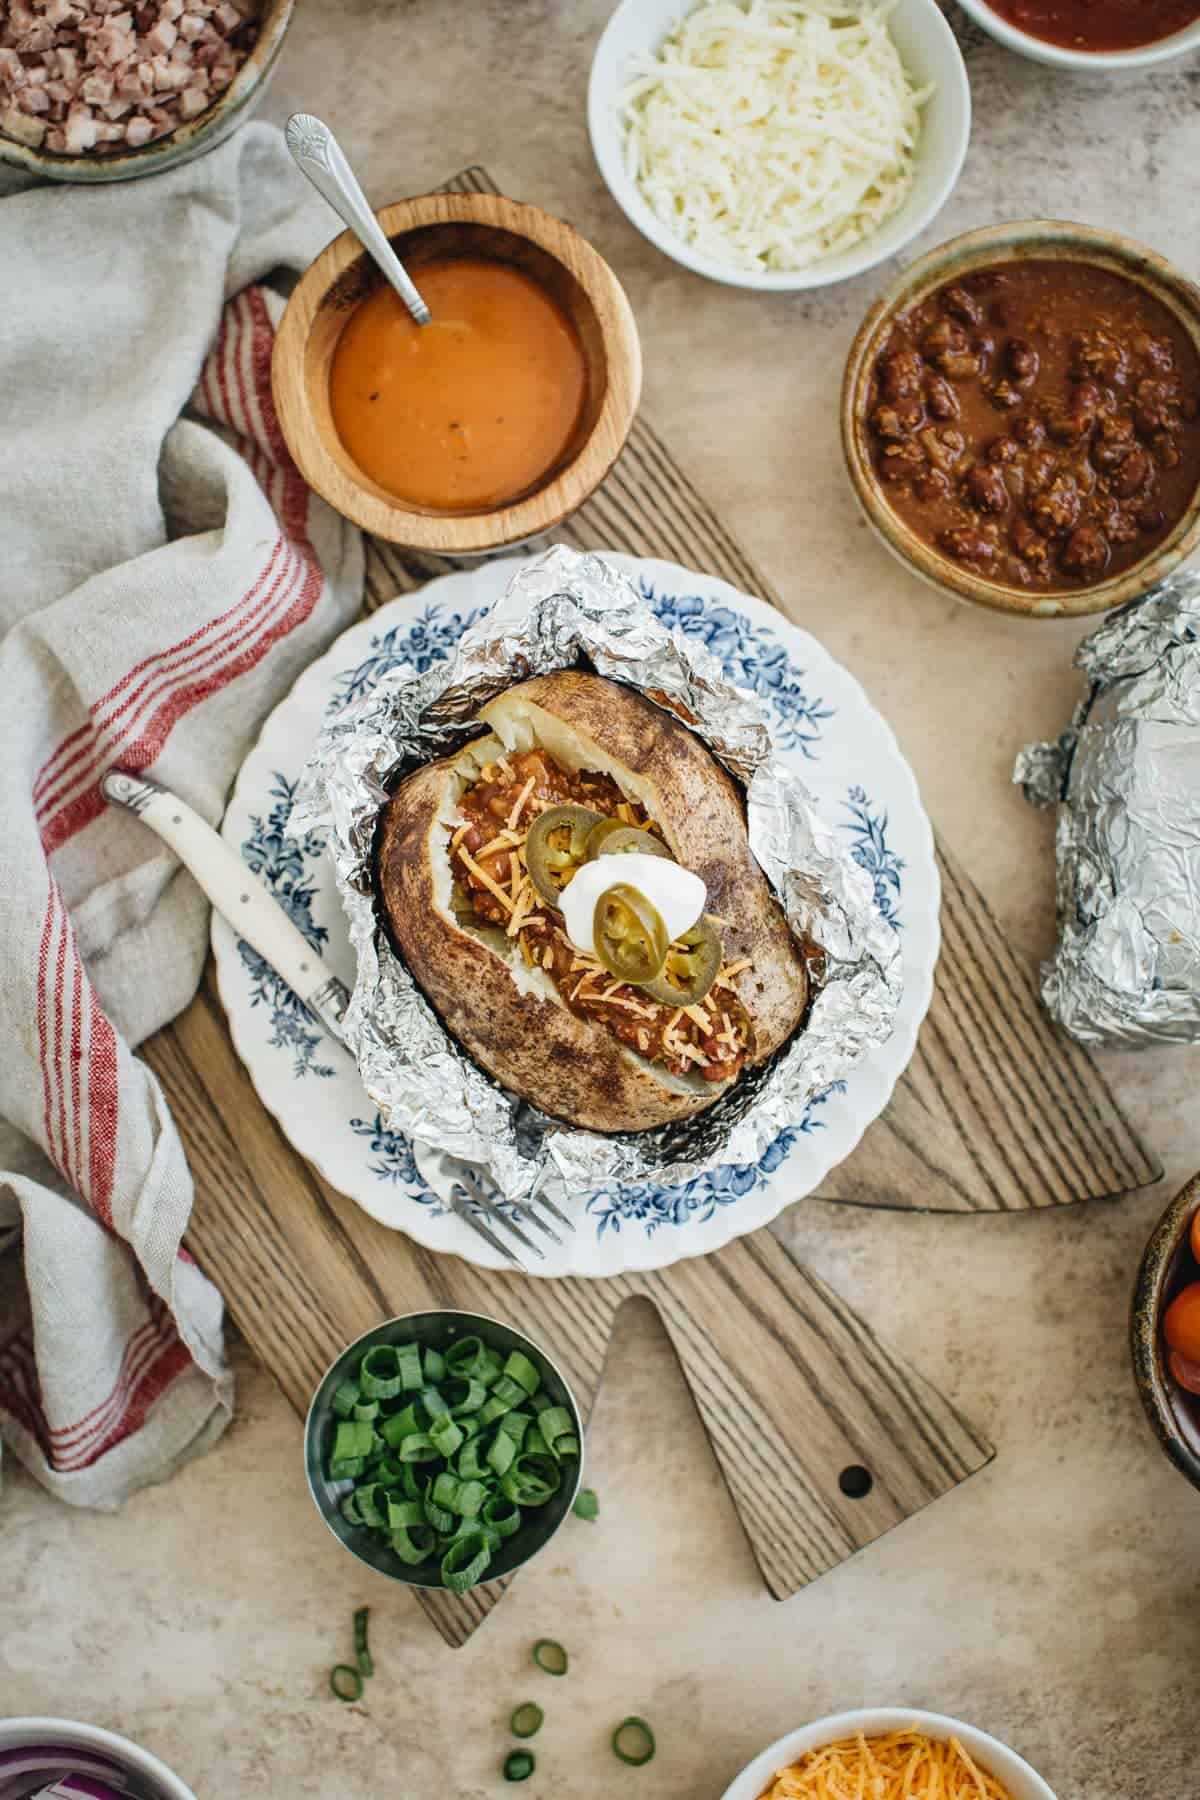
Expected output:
(856, 1482)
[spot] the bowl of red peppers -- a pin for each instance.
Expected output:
(1166, 1331)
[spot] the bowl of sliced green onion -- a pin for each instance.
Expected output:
(444, 1449)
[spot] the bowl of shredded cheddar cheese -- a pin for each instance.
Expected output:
(779, 144)
(888, 1754)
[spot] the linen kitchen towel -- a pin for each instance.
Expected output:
(164, 576)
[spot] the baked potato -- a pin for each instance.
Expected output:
(491, 954)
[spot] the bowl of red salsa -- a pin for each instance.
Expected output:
(1092, 34)
(1021, 418)
(1165, 1331)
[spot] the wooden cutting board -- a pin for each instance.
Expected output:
(825, 1436)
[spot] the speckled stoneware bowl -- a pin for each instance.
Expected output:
(193, 138)
(1043, 239)
(437, 1329)
(1175, 1428)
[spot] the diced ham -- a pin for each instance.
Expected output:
(81, 130)
(84, 75)
(97, 88)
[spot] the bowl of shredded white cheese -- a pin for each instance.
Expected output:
(779, 144)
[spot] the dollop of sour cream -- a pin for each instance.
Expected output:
(675, 893)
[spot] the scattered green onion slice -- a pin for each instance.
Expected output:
(527, 1720)
(550, 1656)
(633, 1742)
(518, 1765)
(361, 1648)
(587, 1506)
(345, 1682)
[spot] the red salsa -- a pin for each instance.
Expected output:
(1098, 25)
(1181, 1323)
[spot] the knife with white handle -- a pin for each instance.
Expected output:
(237, 895)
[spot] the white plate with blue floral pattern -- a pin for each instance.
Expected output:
(823, 724)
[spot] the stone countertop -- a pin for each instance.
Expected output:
(1053, 1599)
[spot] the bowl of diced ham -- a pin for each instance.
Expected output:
(101, 90)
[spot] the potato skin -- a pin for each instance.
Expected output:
(575, 1069)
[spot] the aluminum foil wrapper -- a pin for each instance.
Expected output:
(561, 610)
(1125, 775)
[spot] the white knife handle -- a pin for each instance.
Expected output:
(238, 895)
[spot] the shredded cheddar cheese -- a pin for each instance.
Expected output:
(519, 802)
(904, 1765)
(493, 887)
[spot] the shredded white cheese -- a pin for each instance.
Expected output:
(769, 133)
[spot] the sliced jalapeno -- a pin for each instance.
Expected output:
(691, 965)
(630, 937)
(618, 839)
(556, 845)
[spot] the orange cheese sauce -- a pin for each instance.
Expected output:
(469, 411)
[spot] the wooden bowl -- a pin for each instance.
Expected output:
(1044, 240)
(439, 225)
(1174, 1426)
(192, 138)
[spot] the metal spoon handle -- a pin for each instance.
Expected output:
(318, 155)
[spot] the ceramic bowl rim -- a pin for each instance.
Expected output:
(988, 245)
(41, 1730)
(191, 138)
(1003, 1762)
(1145, 1339)
(605, 141)
(1083, 62)
(362, 1343)
(545, 508)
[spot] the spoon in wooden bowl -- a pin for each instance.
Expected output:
(319, 156)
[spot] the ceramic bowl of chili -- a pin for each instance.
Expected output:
(1165, 1331)
(490, 424)
(1021, 418)
(1091, 35)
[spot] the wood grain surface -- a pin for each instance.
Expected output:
(997, 1112)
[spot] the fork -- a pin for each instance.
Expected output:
(257, 916)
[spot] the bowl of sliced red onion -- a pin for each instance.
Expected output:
(103, 90)
(54, 1759)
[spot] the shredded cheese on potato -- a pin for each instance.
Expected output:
(771, 133)
(904, 1765)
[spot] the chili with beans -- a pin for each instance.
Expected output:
(1039, 422)
(1098, 24)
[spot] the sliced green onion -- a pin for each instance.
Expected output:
(345, 1399)
(434, 1405)
(633, 1742)
(441, 1519)
(501, 1515)
(519, 1765)
(469, 1465)
(510, 1391)
(345, 1682)
(527, 1720)
(379, 1372)
(586, 1506)
(346, 1468)
(353, 1438)
(361, 1647)
(349, 1508)
(554, 1423)
(445, 1435)
(566, 1448)
(514, 1425)
(540, 1402)
(465, 1561)
(503, 1453)
(492, 1409)
(489, 1368)
(550, 1656)
(518, 1368)
(366, 1410)
(370, 1510)
(463, 1355)
(419, 1447)
(465, 1395)
(413, 1544)
(410, 1482)
(468, 1424)
(408, 1357)
(388, 1471)
(535, 1444)
(397, 1426)
(405, 1512)
(434, 1364)
(532, 1480)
